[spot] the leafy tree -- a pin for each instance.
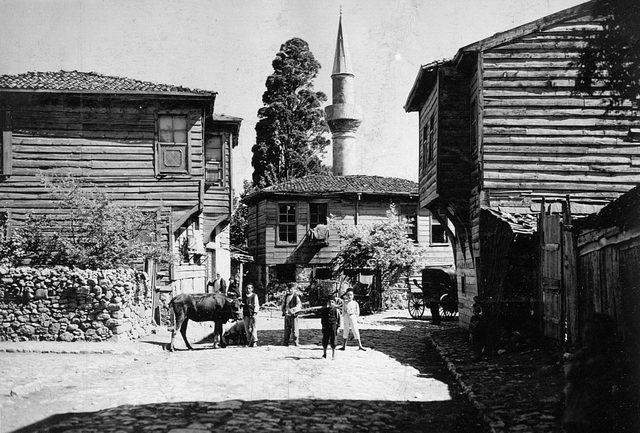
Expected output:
(94, 231)
(290, 131)
(612, 56)
(385, 242)
(238, 224)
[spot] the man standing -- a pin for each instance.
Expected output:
(250, 310)
(290, 308)
(220, 285)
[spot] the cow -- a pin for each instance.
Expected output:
(203, 308)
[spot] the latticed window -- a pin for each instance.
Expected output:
(214, 159)
(287, 229)
(172, 144)
(317, 214)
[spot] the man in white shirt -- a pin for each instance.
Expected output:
(350, 314)
(220, 285)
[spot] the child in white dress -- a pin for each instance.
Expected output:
(350, 314)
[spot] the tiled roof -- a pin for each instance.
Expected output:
(330, 184)
(88, 82)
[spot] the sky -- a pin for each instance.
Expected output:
(228, 46)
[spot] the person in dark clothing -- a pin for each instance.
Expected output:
(330, 319)
(233, 291)
(291, 305)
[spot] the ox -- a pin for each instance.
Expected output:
(203, 308)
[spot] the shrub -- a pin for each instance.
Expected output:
(90, 230)
(383, 243)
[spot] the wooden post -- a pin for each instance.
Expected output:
(6, 157)
(569, 274)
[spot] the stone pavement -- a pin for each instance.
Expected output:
(400, 384)
(515, 392)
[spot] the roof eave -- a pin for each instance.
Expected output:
(207, 95)
(264, 194)
(422, 85)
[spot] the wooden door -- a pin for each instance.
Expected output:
(551, 275)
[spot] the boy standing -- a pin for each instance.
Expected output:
(250, 310)
(290, 308)
(350, 314)
(329, 318)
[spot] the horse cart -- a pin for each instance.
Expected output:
(438, 291)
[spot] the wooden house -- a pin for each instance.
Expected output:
(500, 128)
(282, 218)
(155, 146)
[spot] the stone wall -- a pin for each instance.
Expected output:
(66, 304)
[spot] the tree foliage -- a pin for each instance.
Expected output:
(92, 232)
(385, 242)
(612, 56)
(238, 224)
(290, 132)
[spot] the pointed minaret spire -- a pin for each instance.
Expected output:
(340, 64)
(343, 115)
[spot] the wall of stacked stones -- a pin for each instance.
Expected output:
(63, 304)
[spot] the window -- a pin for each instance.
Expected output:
(410, 214)
(287, 229)
(317, 214)
(473, 126)
(425, 147)
(6, 157)
(214, 159)
(438, 232)
(172, 145)
(432, 136)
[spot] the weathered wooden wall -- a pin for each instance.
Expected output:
(262, 232)
(108, 140)
(609, 278)
(428, 169)
(540, 139)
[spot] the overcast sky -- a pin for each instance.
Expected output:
(228, 46)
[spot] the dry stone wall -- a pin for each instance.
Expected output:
(66, 304)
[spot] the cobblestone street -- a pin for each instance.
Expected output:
(400, 384)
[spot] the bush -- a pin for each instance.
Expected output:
(384, 244)
(91, 232)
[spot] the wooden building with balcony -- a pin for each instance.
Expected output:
(287, 233)
(155, 146)
(501, 128)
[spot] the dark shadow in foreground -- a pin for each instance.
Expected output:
(452, 416)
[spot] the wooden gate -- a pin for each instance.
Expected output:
(549, 229)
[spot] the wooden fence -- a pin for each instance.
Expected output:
(590, 266)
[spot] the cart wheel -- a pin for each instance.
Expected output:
(447, 308)
(416, 307)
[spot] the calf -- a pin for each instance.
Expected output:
(203, 308)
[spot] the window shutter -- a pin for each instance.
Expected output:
(173, 158)
(6, 167)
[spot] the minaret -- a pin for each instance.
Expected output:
(343, 116)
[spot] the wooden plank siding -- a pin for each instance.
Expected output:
(108, 140)
(541, 140)
(428, 169)
(267, 250)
